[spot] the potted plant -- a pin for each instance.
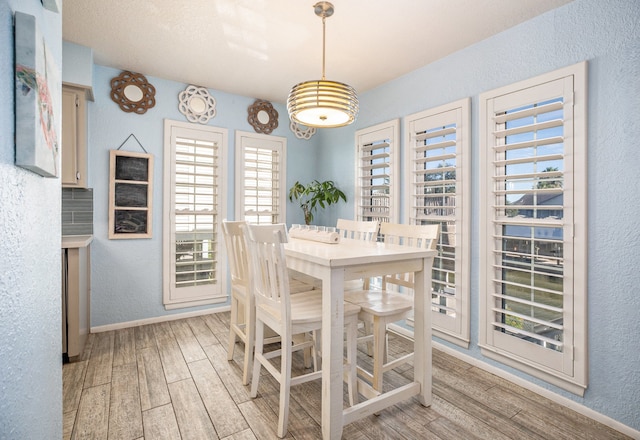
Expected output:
(314, 194)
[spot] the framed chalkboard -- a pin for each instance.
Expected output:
(130, 194)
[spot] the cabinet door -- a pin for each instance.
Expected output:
(74, 159)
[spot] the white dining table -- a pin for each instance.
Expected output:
(354, 259)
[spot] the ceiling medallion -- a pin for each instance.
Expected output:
(132, 92)
(302, 131)
(197, 104)
(262, 116)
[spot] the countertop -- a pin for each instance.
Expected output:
(76, 241)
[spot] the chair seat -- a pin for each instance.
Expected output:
(306, 308)
(380, 303)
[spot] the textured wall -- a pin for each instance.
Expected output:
(607, 34)
(126, 275)
(30, 317)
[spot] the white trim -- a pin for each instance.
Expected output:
(561, 400)
(139, 322)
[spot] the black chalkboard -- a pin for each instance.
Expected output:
(131, 195)
(132, 168)
(130, 222)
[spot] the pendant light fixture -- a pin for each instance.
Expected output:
(323, 103)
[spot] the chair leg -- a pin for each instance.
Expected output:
(352, 354)
(233, 322)
(379, 330)
(368, 331)
(285, 385)
(250, 336)
(259, 348)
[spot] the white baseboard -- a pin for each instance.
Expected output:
(575, 406)
(139, 322)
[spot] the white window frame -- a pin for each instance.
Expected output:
(386, 133)
(245, 142)
(567, 368)
(453, 326)
(216, 292)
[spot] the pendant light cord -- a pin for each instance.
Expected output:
(323, 45)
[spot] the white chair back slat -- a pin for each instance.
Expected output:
(357, 230)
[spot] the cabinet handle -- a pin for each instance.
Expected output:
(77, 175)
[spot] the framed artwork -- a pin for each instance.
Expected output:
(130, 194)
(37, 82)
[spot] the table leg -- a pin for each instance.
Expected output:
(422, 363)
(332, 353)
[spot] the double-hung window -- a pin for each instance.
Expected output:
(377, 173)
(533, 234)
(437, 173)
(260, 178)
(194, 271)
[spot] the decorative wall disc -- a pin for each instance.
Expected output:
(302, 131)
(197, 104)
(132, 92)
(262, 116)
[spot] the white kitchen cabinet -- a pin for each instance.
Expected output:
(74, 137)
(76, 287)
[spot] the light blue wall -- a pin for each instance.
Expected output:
(607, 34)
(30, 317)
(126, 275)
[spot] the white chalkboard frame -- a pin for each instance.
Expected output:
(130, 180)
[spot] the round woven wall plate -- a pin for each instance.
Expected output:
(197, 104)
(262, 116)
(132, 92)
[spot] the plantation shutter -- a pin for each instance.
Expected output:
(438, 186)
(376, 187)
(194, 205)
(261, 178)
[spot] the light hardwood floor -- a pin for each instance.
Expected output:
(172, 380)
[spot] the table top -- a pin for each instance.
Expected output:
(352, 252)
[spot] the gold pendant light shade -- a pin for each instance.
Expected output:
(323, 103)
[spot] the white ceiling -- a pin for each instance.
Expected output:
(261, 48)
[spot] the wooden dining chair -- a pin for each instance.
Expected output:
(357, 229)
(393, 303)
(242, 316)
(287, 315)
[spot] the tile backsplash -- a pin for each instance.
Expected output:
(77, 211)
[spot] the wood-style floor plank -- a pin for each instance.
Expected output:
(191, 349)
(202, 331)
(92, 420)
(151, 379)
(230, 373)
(215, 396)
(145, 337)
(160, 424)
(193, 419)
(124, 348)
(136, 384)
(125, 414)
(101, 360)
(173, 364)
